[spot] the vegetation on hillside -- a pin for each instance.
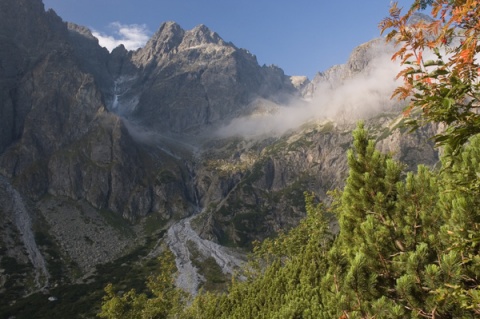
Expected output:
(409, 242)
(408, 247)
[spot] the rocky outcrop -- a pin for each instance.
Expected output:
(253, 190)
(411, 148)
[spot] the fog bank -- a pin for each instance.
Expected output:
(342, 96)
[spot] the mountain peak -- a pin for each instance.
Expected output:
(164, 41)
(171, 38)
(201, 28)
(171, 26)
(167, 32)
(201, 35)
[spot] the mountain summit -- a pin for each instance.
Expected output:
(188, 80)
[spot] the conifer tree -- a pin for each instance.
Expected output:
(360, 270)
(166, 300)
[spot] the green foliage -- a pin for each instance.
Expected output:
(408, 247)
(396, 246)
(164, 300)
(282, 278)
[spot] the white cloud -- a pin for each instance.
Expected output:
(361, 96)
(132, 36)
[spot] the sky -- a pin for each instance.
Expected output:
(302, 37)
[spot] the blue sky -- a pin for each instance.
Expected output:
(302, 36)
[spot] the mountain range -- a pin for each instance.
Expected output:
(106, 158)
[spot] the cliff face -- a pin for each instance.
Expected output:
(29, 36)
(62, 139)
(99, 151)
(49, 102)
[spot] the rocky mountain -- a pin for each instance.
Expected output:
(103, 156)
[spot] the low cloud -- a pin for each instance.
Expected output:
(359, 96)
(132, 36)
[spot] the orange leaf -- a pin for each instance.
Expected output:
(466, 55)
(419, 57)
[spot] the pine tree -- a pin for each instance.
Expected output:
(459, 265)
(360, 268)
(166, 301)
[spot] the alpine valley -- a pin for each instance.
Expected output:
(187, 144)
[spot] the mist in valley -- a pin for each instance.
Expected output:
(343, 100)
